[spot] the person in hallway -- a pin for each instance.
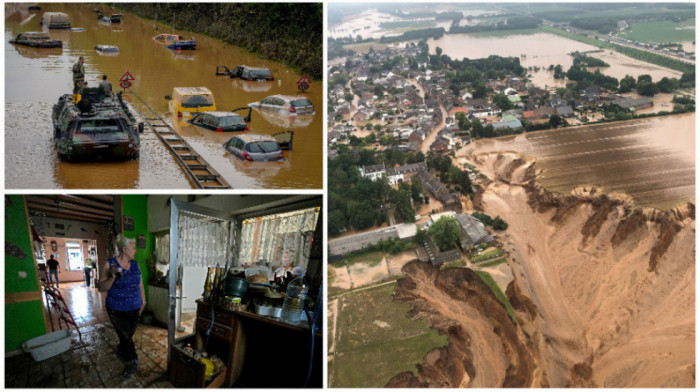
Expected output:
(120, 277)
(54, 269)
(79, 76)
(106, 86)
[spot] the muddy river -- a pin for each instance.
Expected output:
(35, 78)
(543, 50)
(652, 160)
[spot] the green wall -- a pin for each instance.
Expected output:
(23, 320)
(137, 207)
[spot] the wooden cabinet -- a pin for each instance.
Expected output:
(259, 351)
(187, 372)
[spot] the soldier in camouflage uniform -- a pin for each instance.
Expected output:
(78, 76)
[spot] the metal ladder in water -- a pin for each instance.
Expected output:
(200, 173)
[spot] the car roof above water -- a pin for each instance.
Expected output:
(256, 137)
(288, 97)
(192, 90)
(222, 114)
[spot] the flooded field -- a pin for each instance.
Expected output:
(35, 78)
(651, 160)
(543, 50)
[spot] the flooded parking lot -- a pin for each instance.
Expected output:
(35, 78)
(652, 160)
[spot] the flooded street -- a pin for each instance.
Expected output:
(652, 160)
(543, 50)
(35, 78)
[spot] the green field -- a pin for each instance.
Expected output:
(388, 26)
(493, 263)
(363, 47)
(377, 340)
(372, 259)
(504, 33)
(660, 31)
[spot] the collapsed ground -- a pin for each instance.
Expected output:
(603, 291)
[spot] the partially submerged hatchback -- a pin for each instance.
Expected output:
(99, 127)
(221, 121)
(292, 104)
(255, 147)
(187, 100)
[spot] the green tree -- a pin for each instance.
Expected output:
(438, 50)
(401, 200)
(336, 222)
(477, 128)
(502, 101)
(416, 188)
(444, 232)
(463, 122)
(646, 88)
(627, 84)
(421, 236)
(361, 214)
(668, 85)
(555, 121)
(499, 224)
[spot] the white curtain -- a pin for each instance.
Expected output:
(278, 239)
(202, 240)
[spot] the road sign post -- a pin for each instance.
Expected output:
(303, 83)
(125, 80)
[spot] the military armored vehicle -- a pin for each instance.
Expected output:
(98, 127)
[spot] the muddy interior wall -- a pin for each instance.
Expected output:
(24, 314)
(136, 206)
(65, 275)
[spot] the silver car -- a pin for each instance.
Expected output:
(255, 147)
(292, 104)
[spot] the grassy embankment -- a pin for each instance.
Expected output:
(377, 340)
(488, 279)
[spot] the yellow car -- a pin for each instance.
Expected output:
(187, 100)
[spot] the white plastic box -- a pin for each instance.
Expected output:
(49, 345)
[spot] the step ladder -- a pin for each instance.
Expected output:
(200, 173)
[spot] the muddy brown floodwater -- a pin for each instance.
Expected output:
(35, 78)
(543, 50)
(651, 160)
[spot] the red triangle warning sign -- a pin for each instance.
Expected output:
(304, 80)
(127, 76)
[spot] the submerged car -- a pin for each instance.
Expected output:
(255, 147)
(98, 127)
(292, 104)
(36, 39)
(221, 121)
(176, 42)
(186, 100)
(55, 20)
(246, 73)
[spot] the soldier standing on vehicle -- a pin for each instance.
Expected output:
(106, 85)
(78, 76)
